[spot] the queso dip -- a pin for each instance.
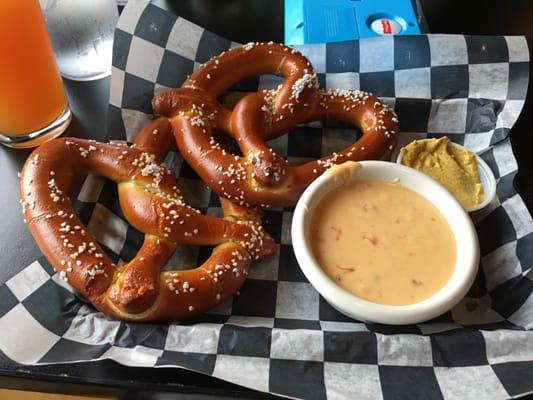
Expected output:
(383, 242)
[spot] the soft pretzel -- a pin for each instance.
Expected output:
(260, 176)
(150, 200)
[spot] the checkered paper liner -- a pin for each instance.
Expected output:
(279, 335)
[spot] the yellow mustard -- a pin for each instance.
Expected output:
(454, 167)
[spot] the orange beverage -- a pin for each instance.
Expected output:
(33, 104)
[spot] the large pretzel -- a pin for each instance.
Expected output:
(260, 176)
(150, 200)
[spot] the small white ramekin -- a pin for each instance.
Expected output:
(460, 223)
(486, 178)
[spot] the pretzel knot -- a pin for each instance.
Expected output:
(260, 176)
(139, 290)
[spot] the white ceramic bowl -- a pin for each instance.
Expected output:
(486, 178)
(465, 240)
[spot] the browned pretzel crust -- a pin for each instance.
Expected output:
(150, 200)
(260, 176)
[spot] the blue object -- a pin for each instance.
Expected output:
(321, 21)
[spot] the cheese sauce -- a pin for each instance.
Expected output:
(383, 242)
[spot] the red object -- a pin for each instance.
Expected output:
(387, 30)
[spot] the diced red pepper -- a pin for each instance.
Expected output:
(371, 238)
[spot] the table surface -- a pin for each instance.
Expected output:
(241, 21)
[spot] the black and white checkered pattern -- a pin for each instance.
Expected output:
(279, 335)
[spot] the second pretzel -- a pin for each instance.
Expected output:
(259, 176)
